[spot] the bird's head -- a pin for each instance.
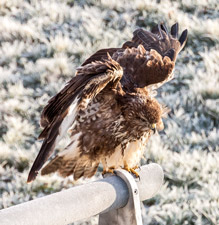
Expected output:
(145, 113)
(148, 114)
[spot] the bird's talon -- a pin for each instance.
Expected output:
(134, 172)
(127, 169)
(139, 178)
(110, 170)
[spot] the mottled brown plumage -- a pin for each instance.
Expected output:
(108, 107)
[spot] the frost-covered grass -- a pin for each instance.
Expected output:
(41, 44)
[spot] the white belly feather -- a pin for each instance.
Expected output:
(131, 157)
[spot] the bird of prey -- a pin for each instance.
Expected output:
(108, 107)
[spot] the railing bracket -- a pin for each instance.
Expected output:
(130, 214)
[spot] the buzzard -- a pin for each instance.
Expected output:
(108, 107)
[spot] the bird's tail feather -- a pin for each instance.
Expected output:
(78, 166)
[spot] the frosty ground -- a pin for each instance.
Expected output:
(41, 44)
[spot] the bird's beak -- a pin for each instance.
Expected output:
(154, 128)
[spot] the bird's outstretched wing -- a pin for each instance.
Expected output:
(101, 55)
(162, 49)
(159, 39)
(58, 116)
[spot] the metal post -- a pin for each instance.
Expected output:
(131, 213)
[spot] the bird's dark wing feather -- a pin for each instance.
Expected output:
(59, 114)
(159, 39)
(162, 48)
(144, 68)
(101, 55)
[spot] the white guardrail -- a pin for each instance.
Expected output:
(115, 198)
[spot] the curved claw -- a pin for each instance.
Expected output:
(132, 170)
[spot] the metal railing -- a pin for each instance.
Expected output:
(115, 198)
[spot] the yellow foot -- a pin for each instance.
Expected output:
(110, 170)
(136, 167)
(127, 168)
(132, 170)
